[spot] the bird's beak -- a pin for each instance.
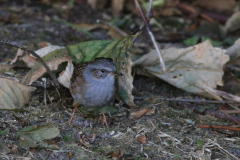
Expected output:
(114, 73)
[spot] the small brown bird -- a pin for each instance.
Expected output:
(93, 84)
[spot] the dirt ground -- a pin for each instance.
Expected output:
(168, 132)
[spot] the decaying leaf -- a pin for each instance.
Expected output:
(35, 137)
(194, 69)
(13, 94)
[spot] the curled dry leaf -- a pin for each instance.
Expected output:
(232, 23)
(19, 53)
(65, 76)
(142, 139)
(194, 69)
(13, 94)
(86, 140)
(234, 51)
(140, 113)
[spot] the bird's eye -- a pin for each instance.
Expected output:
(103, 70)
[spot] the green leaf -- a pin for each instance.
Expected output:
(200, 143)
(178, 157)
(106, 109)
(36, 136)
(191, 41)
(214, 43)
(4, 132)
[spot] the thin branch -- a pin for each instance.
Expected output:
(196, 100)
(150, 33)
(7, 43)
(199, 110)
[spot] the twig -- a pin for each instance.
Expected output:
(150, 32)
(195, 100)
(119, 31)
(198, 110)
(219, 127)
(7, 43)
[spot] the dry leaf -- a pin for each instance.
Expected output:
(30, 61)
(97, 3)
(118, 154)
(142, 139)
(14, 95)
(19, 53)
(216, 5)
(65, 76)
(233, 23)
(86, 140)
(234, 51)
(140, 113)
(117, 6)
(194, 69)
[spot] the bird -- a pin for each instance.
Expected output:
(93, 84)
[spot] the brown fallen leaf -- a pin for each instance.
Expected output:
(117, 155)
(142, 139)
(117, 6)
(19, 53)
(232, 23)
(13, 94)
(216, 5)
(97, 3)
(140, 113)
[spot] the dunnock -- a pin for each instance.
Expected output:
(93, 83)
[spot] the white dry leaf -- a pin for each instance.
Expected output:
(65, 76)
(44, 51)
(194, 69)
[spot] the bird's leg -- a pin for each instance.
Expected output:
(104, 119)
(74, 110)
